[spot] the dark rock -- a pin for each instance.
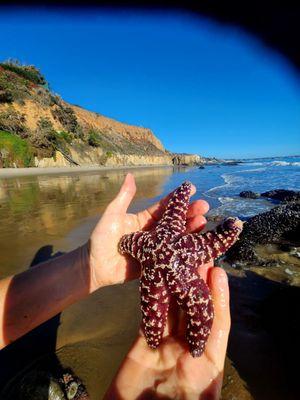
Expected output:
(201, 167)
(282, 195)
(248, 194)
(280, 223)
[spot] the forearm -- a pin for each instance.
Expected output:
(36, 295)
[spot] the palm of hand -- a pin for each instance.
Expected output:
(107, 265)
(170, 372)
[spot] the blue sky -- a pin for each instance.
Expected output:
(202, 88)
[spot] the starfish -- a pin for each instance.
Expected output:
(169, 259)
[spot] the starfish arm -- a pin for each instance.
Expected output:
(132, 244)
(193, 296)
(212, 244)
(173, 220)
(154, 305)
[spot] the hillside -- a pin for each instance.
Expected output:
(38, 128)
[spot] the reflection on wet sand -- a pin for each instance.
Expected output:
(41, 210)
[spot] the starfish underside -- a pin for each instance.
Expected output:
(169, 259)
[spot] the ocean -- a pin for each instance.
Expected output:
(220, 185)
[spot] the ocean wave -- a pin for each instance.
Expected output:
(253, 170)
(255, 164)
(284, 164)
(229, 179)
(230, 206)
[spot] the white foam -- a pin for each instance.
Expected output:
(255, 164)
(285, 164)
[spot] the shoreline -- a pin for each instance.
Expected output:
(19, 172)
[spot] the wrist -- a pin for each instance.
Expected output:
(88, 265)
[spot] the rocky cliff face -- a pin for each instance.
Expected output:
(187, 159)
(60, 134)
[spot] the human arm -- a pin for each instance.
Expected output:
(32, 297)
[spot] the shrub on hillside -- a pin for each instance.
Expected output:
(13, 87)
(67, 117)
(28, 72)
(61, 140)
(5, 96)
(47, 140)
(94, 139)
(43, 137)
(13, 121)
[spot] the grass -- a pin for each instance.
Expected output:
(28, 72)
(14, 151)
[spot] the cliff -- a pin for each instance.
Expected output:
(52, 132)
(187, 159)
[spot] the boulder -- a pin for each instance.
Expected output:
(282, 195)
(248, 194)
(280, 223)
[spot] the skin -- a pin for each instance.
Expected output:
(32, 297)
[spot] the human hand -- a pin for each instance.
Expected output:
(107, 265)
(170, 372)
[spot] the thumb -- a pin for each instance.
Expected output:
(123, 199)
(217, 342)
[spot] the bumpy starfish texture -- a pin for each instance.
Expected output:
(169, 259)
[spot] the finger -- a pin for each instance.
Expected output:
(195, 224)
(197, 207)
(217, 342)
(203, 270)
(156, 210)
(123, 199)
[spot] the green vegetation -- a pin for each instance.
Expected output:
(67, 117)
(14, 122)
(20, 82)
(65, 136)
(13, 87)
(42, 138)
(61, 140)
(14, 151)
(28, 72)
(47, 140)
(94, 139)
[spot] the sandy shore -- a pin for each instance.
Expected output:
(16, 172)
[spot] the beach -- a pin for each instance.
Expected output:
(44, 215)
(17, 172)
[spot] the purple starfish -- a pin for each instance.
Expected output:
(169, 260)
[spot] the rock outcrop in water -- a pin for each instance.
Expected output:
(182, 159)
(248, 194)
(282, 195)
(280, 223)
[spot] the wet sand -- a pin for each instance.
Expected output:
(44, 215)
(17, 172)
